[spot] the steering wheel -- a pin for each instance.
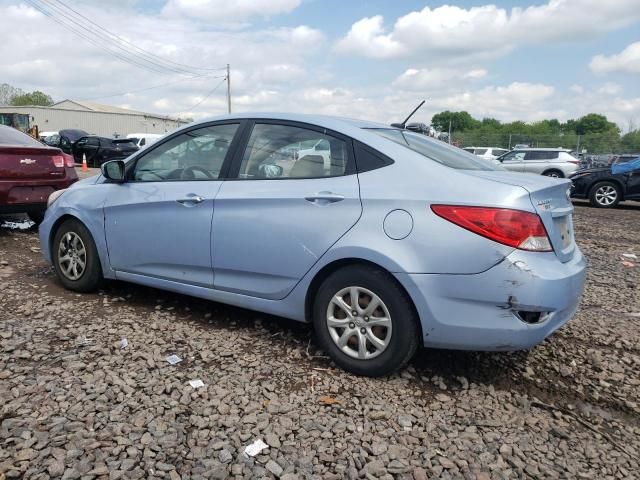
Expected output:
(195, 168)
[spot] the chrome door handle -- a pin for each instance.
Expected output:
(324, 198)
(195, 199)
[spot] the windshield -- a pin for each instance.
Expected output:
(436, 150)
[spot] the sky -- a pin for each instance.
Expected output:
(370, 59)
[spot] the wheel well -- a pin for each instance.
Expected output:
(610, 180)
(328, 269)
(55, 227)
(554, 170)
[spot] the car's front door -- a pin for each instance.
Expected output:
(282, 212)
(513, 161)
(158, 224)
(633, 184)
(79, 149)
(91, 150)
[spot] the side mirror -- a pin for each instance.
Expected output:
(113, 170)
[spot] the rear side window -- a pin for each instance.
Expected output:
(93, 142)
(11, 136)
(368, 159)
(480, 151)
(541, 155)
(286, 151)
(436, 150)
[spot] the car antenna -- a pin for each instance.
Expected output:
(403, 124)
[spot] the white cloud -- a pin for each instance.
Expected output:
(454, 31)
(610, 88)
(627, 61)
(227, 10)
(437, 78)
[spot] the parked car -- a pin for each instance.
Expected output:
(605, 187)
(488, 153)
(379, 252)
(101, 149)
(30, 172)
(143, 139)
(552, 162)
(65, 139)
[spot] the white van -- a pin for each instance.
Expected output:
(144, 139)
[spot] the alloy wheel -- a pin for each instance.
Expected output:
(606, 195)
(359, 323)
(72, 256)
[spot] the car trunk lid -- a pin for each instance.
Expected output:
(30, 163)
(550, 199)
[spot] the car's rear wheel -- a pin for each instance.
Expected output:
(605, 195)
(553, 173)
(75, 257)
(365, 321)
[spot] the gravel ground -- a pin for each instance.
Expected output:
(75, 404)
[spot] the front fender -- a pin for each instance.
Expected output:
(91, 215)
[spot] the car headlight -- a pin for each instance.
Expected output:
(55, 196)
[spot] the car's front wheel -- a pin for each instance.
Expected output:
(75, 257)
(605, 195)
(365, 321)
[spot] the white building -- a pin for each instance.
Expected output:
(95, 118)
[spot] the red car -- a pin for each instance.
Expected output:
(30, 172)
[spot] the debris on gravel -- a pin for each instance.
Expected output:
(75, 403)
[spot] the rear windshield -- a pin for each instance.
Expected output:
(436, 150)
(11, 136)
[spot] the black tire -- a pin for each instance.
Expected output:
(553, 173)
(404, 334)
(91, 276)
(36, 217)
(605, 195)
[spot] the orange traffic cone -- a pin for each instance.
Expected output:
(84, 163)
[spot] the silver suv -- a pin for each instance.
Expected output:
(552, 162)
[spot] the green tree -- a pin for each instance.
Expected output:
(594, 123)
(32, 98)
(7, 93)
(630, 142)
(460, 121)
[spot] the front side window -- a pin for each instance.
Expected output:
(283, 151)
(193, 155)
(513, 157)
(436, 150)
(480, 151)
(93, 142)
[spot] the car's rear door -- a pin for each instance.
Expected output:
(537, 161)
(281, 213)
(158, 224)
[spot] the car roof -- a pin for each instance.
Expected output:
(544, 149)
(328, 121)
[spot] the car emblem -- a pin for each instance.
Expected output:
(27, 161)
(545, 204)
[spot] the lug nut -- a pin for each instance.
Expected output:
(354, 313)
(352, 325)
(362, 330)
(366, 319)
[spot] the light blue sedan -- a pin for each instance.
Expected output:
(383, 238)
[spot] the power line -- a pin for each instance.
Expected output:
(61, 14)
(91, 40)
(208, 94)
(152, 87)
(106, 42)
(125, 41)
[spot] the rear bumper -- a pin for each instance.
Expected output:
(478, 312)
(17, 196)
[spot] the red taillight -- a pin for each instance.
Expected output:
(523, 230)
(58, 161)
(577, 162)
(68, 161)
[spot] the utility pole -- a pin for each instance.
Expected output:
(449, 131)
(228, 88)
